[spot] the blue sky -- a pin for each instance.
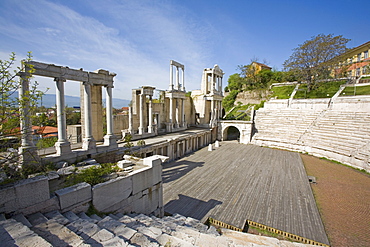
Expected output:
(137, 39)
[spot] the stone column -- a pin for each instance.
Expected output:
(109, 138)
(130, 120)
(141, 115)
(171, 78)
(177, 78)
(213, 83)
(183, 80)
(177, 117)
(219, 113)
(88, 142)
(183, 121)
(171, 115)
(150, 126)
(62, 145)
(27, 150)
(212, 110)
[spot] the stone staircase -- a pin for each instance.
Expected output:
(70, 229)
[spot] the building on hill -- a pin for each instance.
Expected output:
(260, 66)
(355, 62)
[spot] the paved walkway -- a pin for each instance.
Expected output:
(237, 182)
(343, 195)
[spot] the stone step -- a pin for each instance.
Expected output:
(117, 227)
(58, 217)
(57, 234)
(84, 216)
(37, 218)
(20, 218)
(68, 229)
(71, 216)
(14, 233)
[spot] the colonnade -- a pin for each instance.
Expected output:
(176, 95)
(178, 66)
(61, 75)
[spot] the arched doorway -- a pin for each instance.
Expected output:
(231, 133)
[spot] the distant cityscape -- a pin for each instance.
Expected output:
(48, 100)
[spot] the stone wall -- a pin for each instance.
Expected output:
(355, 103)
(252, 97)
(140, 192)
(120, 122)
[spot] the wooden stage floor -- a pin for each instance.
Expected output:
(236, 182)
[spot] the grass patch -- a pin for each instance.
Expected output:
(320, 90)
(282, 92)
(236, 115)
(339, 163)
(92, 175)
(356, 90)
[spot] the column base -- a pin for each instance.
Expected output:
(88, 144)
(141, 130)
(169, 127)
(111, 141)
(150, 129)
(63, 148)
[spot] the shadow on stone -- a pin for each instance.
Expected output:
(178, 169)
(190, 207)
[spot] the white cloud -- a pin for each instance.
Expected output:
(135, 39)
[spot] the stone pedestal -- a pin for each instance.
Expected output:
(88, 144)
(63, 147)
(111, 141)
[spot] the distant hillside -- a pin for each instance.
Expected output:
(49, 100)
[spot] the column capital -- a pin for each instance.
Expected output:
(87, 83)
(60, 79)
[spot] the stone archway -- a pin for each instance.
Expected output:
(235, 130)
(231, 133)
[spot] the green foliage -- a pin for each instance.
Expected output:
(92, 175)
(141, 143)
(356, 90)
(282, 92)
(46, 142)
(10, 83)
(315, 58)
(260, 105)
(235, 82)
(320, 90)
(128, 144)
(228, 101)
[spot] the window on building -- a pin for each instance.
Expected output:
(364, 70)
(366, 54)
(359, 57)
(358, 72)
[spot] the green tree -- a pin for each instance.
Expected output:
(9, 101)
(12, 105)
(228, 101)
(235, 82)
(316, 58)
